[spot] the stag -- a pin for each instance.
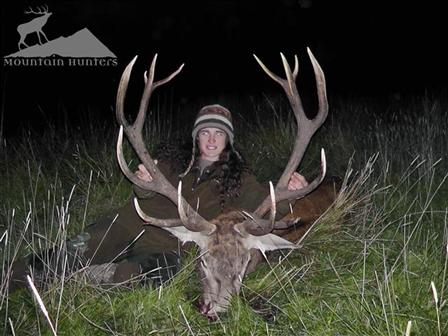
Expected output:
(35, 25)
(225, 242)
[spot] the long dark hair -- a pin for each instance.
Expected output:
(228, 171)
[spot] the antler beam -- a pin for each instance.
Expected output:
(305, 130)
(159, 184)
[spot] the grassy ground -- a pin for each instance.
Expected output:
(383, 272)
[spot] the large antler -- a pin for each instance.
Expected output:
(159, 184)
(305, 130)
(31, 11)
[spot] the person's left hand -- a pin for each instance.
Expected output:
(297, 182)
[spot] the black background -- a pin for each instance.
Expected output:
(372, 48)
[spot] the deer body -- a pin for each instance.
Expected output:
(226, 242)
(33, 26)
(310, 208)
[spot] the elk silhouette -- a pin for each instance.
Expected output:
(35, 25)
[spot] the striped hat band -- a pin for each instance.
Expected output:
(214, 120)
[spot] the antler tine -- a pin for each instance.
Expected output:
(155, 221)
(268, 72)
(180, 206)
(296, 67)
(289, 76)
(258, 226)
(149, 88)
(194, 222)
(321, 91)
(121, 94)
(123, 165)
(305, 129)
(168, 78)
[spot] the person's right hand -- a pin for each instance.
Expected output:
(143, 174)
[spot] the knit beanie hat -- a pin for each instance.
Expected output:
(211, 116)
(214, 116)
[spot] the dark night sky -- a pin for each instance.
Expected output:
(364, 47)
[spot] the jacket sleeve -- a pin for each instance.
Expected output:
(166, 170)
(252, 193)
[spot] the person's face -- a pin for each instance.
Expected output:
(212, 142)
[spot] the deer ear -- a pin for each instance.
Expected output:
(269, 242)
(185, 235)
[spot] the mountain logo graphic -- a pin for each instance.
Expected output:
(80, 49)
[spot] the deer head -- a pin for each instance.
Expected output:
(226, 241)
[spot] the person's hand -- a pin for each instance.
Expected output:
(143, 174)
(297, 182)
